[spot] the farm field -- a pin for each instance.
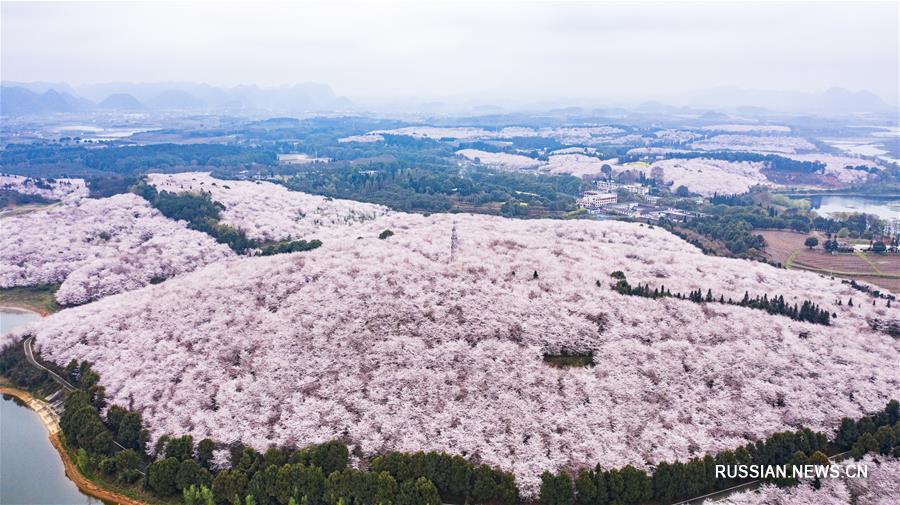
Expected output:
(786, 247)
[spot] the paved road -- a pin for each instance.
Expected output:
(29, 355)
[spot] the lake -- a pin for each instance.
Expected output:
(11, 318)
(31, 471)
(883, 207)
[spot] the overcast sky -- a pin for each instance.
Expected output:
(531, 50)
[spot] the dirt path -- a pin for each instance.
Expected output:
(867, 260)
(85, 485)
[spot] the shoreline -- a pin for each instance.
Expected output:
(85, 485)
(24, 307)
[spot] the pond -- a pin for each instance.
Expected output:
(31, 471)
(883, 207)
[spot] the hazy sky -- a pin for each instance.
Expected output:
(528, 50)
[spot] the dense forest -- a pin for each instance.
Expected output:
(442, 187)
(42, 160)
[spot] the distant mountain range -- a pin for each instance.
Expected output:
(36, 98)
(18, 101)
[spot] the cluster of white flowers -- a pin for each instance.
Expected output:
(59, 189)
(748, 128)
(659, 151)
(633, 138)
(570, 161)
(565, 135)
(881, 487)
(787, 145)
(268, 211)
(99, 247)
(393, 346)
(361, 138)
(708, 176)
(503, 161)
(575, 150)
(675, 135)
(437, 132)
(836, 166)
(578, 165)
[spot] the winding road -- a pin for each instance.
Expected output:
(29, 355)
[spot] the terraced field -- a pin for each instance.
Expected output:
(786, 247)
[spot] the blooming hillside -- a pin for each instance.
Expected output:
(578, 165)
(408, 343)
(564, 161)
(748, 128)
(267, 211)
(99, 247)
(55, 189)
(708, 176)
(836, 166)
(785, 145)
(504, 161)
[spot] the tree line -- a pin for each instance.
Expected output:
(202, 214)
(200, 211)
(807, 311)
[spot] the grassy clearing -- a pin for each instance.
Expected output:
(37, 298)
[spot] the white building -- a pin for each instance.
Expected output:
(613, 187)
(593, 200)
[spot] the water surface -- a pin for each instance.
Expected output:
(883, 207)
(31, 471)
(11, 318)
